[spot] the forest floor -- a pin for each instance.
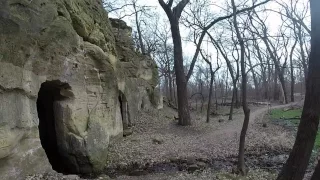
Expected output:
(159, 149)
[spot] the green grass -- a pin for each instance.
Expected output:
(292, 117)
(290, 114)
(317, 142)
(252, 175)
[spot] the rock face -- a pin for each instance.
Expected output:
(69, 77)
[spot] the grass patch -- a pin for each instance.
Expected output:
(291, 118)
(252, 175)
(317, 142)
(289, 114)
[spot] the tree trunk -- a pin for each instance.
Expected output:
(263, 73)
(303, 56)
(292, 85)
(232, 103)
(316, 173)
(210, 94)
(174, 93)
(298, 160)
(181, 82)
(246, 110)
(283, 86)
(291, 72)
(169, 72)
(226, 93)
(170, 88)
(237, 98)
(166, 86)
(255, 81)
(221, 92)
(275, 87)
(201, 88)
(215, 94)
(269, 80)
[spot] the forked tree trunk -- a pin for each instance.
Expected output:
(298, 160)
(181, 80)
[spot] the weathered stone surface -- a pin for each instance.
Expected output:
(63, 68)
(137, 73)
(27, 154)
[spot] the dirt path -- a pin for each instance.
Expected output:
(234, 127)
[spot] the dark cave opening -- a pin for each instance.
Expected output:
(50, 92)
(124, 111)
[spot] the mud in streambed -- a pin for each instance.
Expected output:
(269, 160)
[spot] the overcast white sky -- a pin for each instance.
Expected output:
(273, 23)
(274, 19)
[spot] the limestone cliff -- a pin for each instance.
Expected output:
(70, 79)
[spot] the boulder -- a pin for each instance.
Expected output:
(64, 77)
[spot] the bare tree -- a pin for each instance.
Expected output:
(234, 72)
(164, 56)
(206, 27)
(174, 15)
(272, 50)
(203, 26)
(297, 162)
(246, 110)
(296, 12)
(292, 71)
(212, 74)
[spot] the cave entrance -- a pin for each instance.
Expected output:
(124, 110)
(50, 92)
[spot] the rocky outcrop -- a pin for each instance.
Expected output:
(138, 73)
(69, 78)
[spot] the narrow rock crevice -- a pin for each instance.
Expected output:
(124, 109)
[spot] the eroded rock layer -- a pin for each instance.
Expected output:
(68, 79)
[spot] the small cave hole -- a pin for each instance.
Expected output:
(142, 105)
(51, 91)
(124, 111)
